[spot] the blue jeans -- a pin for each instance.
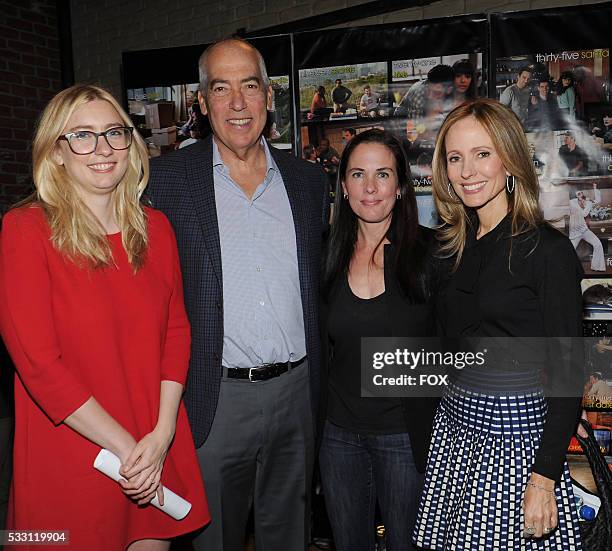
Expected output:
(356, 471)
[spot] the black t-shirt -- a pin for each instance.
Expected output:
(345, 319)
(349, 319)
(341, 94)
(572, 159)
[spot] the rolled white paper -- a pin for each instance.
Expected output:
(174, 505)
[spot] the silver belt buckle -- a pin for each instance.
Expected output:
(251, 372)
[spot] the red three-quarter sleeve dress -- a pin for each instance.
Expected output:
(76, 332)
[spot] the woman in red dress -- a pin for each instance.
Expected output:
(91, 309)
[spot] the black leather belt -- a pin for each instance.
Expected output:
(261, 372)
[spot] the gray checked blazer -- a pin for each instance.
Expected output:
(181, 185)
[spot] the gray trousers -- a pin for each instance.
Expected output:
(259, 452)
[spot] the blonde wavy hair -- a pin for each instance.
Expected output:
(506, 133)
(75, 231)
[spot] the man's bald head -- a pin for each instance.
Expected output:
(238, 45)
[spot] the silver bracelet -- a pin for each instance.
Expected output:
(538, 487)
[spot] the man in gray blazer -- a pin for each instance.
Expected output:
(248, 221)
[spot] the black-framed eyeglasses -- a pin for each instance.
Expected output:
(84, 142)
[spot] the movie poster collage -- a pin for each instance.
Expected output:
(563, 101)
(184, 123)
(409, 97)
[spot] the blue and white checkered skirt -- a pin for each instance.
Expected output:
(482, 451)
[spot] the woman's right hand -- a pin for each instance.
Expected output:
(143, 467)
(540, 507)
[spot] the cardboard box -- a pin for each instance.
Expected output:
(163, 136)
(159, 115)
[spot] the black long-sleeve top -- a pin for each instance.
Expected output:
(523, 286)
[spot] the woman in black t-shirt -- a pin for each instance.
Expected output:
(376, 284)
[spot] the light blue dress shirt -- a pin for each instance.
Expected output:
(262, 306)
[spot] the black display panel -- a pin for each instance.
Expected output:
(402, 77)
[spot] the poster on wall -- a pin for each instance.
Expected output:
(424, 90)
(164, 103)
(347, 92)
(402, 78)
(552, 68)
(563, 101)
(279, 125)
(597, 397)
(581, 207)
(597, 297)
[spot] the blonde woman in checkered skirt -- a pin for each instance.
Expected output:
(496, 476)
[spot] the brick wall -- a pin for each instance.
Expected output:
(29, 76)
